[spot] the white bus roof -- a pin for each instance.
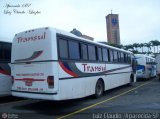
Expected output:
(58, 31)
(142, 55)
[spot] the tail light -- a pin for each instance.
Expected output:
(12, 79)
(50, 81)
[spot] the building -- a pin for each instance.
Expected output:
(79, 34)
(87, 37)
(112, 25)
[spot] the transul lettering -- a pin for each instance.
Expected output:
(32, 38)
(89, 68)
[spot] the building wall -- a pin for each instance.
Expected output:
(112, 25)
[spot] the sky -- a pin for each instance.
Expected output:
(139, 20)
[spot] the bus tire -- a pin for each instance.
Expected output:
(99, 88)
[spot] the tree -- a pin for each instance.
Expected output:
(141, 45)
(114, 45)
(156, 43)
(136, 45)
(127, 47)
(153, 43)
(148, 45)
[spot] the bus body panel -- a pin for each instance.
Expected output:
(34, 64)
(36, 45)
(39, 59)
(87, 81)
(33, 77)
(5, 70)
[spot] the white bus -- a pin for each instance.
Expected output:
(157, 59)
(52, 64)
(5, 77)
(146, 66)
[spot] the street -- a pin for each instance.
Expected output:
(143, 99)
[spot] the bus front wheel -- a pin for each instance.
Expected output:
(99, 89)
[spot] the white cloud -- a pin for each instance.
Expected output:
(139, 19)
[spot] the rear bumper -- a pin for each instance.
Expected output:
(35, 95)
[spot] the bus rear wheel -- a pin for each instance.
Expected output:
(99, 89)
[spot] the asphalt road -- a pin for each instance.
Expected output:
(142, 100)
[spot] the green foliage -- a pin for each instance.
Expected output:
(135, 46)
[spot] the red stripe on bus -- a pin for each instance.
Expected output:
(4, 72)
(67, 71)
(29, 79)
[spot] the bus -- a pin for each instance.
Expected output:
(5, 71)
(146, 66)
(51, 64)
(157, 59)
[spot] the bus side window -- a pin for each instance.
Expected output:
(74, 52)
(125, 58)
(7, 52)
(115, 56)
(91, 52)
(63, 49)
(99, 53)
(119, 56)
(111, 55)
(146, 60)
(105, 54)
(1, 52)
(84, 52)
(109, 59)
(129, 58)
(122, 57)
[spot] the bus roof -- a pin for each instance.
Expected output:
(143, 55)
(5, 42)
(83, 39)
(62, 32)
